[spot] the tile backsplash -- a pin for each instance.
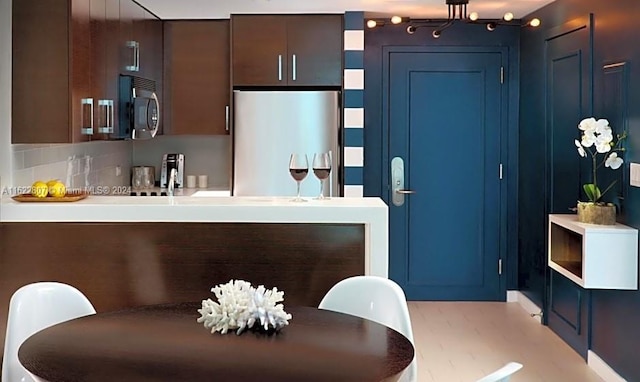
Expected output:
(204, 155)
(79, 165)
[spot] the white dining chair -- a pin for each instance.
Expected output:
(32, 308)
(503, 374)
(377, 299)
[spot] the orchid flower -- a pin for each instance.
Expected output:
(598, 134)
(613, 161)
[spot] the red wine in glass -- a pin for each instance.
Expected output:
(322, 170)
(298, 168)
(321, 173)
(299, 174)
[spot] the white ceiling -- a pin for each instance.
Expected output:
(216, 9)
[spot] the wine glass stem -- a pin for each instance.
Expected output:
(321, 189)
(298, 183)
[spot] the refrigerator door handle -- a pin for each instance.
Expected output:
(295, 67)
(226, 118)
(279, 67)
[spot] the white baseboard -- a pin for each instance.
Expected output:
(601, 368)
(525, 303)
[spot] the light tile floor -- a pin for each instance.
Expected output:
(464, 341)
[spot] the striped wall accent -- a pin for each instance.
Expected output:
(353, 103)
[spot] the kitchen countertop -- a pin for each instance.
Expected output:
(200, 209)
(372, 212)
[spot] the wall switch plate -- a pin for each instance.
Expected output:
(634, 174)
(118, 171)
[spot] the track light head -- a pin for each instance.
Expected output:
(436, 33)
(411, 29)
(491, 26)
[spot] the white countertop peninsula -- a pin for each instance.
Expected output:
(371, 212)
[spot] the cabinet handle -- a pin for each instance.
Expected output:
(87, 116)
(295, 68)
(279, 67)
(113, 118)
(226, 118)
(136, 56)
(106, 114)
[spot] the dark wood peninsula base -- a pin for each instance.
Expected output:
(122, 265)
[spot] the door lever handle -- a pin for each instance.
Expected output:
(398, 191)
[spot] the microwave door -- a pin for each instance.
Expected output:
(146, 115)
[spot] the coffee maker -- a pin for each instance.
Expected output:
(171, 161)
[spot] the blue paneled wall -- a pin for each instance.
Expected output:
(614, 315)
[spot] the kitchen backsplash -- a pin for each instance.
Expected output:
(203, 155)
(91, 164)
(79, 165)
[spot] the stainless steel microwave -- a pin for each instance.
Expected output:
(139, 109)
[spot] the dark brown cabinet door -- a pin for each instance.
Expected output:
(112, 55)
(51, 54)
(314, 47)
(106, 47)
(196, 76)
(287, 50)
(131, 27)
(148, 33)
(259, 50)
(151, 56)
(98, 46)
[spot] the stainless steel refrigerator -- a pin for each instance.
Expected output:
(271, 125)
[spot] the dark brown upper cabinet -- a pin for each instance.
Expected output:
(51, 78)
(132, 30)
(105, 65)
(196, 61)
(67, 56)
(286, 50)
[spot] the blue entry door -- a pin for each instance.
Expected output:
(445, 124)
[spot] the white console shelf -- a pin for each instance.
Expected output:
(593, 256)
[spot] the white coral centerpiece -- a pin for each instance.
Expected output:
(240, 306)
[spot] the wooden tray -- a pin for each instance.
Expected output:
(69, 197)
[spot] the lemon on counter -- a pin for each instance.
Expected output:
(39, 189)
(57, 189)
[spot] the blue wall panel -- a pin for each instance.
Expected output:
(614, 314)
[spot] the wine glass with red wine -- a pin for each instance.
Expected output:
(298, 168)
(321, 169)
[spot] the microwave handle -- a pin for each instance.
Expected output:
(156, 122)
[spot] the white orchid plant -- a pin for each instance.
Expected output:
(597, 138)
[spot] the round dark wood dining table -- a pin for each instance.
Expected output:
(165, 343)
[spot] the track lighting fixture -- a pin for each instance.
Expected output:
(535, 22)
(457, 11)
(399, 20)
